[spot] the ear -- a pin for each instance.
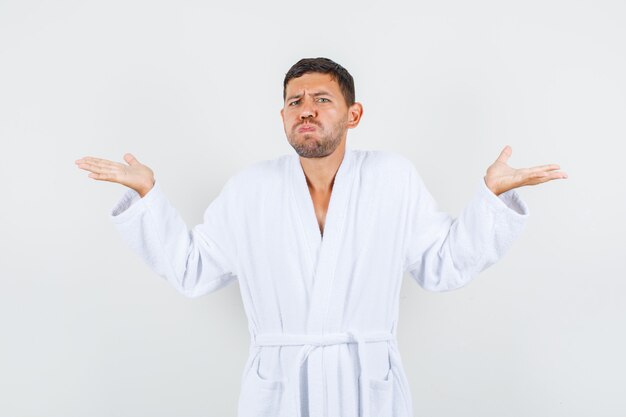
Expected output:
(282, 114)
(355, 112)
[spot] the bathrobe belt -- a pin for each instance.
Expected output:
(311, 341)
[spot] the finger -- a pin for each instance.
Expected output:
(540, 178)
(101, 162)
(104, 164)
(83, 159)
(505, 154)
(130, 159)
(530, 178)
(99, 168)
(91, 159)
(550, 167)
(101, 176)
(538, 174)
(87, 166)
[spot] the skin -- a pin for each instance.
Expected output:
(501, 177)
(135, 175)
(321, 150)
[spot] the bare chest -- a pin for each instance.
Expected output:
(320, 204)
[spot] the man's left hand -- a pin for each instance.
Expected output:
(501, 177)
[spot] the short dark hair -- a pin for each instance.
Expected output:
(324, 66)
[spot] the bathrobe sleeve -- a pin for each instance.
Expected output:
(195, 262)
(443, 253)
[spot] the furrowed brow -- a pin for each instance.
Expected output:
(319, 93)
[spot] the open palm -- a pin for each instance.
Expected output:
(501, 177)
(135, 175)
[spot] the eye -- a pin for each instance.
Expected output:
(323, 98)
(295, 101)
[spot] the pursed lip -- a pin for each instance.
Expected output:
(306, 128)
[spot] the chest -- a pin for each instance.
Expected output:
(320, 206)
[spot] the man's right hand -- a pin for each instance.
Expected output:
(134, 175)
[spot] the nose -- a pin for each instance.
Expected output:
(307, 110)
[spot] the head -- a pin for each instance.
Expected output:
(319, 106)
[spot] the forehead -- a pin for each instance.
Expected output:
(312, 81)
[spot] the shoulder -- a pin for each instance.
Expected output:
(259, 174)
(385, 162)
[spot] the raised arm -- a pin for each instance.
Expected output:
(444, 253)
(195, 262)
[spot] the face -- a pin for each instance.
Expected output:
(316, 116)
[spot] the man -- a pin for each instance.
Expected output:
(319, 243)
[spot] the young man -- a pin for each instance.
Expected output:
(319, 242)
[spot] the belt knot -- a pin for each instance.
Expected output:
(313, 341)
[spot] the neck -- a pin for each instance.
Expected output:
(320, 172)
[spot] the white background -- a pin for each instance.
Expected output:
(194, 90)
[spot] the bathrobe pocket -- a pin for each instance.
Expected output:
(381, 395)
(260, 397)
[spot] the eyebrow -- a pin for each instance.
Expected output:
(319, 93)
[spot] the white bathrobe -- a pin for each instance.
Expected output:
(322, 310)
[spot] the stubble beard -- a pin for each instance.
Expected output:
(310, 147)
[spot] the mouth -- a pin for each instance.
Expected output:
(307, 128)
